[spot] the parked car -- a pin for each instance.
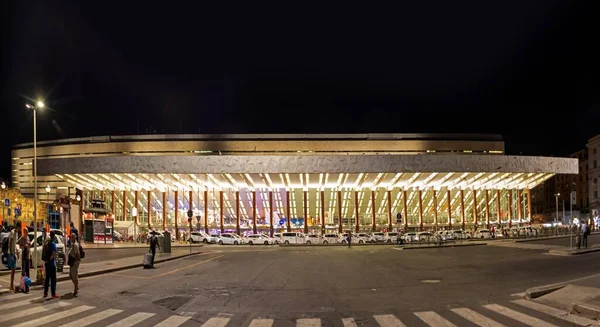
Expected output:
(230, 239)
(200, 237)
(391, 237)
(293, 238)
(330, 238)
(258, 239)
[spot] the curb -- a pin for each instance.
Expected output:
(546, 238)
(419, 247)
(113, 269)
(336, 244)
(586, 309)
(574, 252)
(535, 292)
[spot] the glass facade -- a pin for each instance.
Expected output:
(312, 210)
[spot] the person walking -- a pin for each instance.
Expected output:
(73, 262)
(49, 256)
(153, 246)
(349, 238)
(12, 254)
(585, 229)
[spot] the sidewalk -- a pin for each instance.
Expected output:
(103, 267)
(580, 296)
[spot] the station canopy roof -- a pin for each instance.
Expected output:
(331, 171)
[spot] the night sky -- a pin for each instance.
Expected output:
(523, 69)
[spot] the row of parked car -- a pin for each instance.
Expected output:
(330, 238)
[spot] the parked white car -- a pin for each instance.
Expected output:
(313, 239)
(483, 233)
(378, 236)
(277, 238)
(391, 237)
(258, 239)
(364, 238)
(293, 238)
(200, 237)
(229, 239)
(330, 239)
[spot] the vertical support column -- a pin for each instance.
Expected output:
(389, 209)
(475, 210)
(287, 210)
(357, 226)
(149, 209)
(487, 209)
(206, 211)
(339, 205)
(435, 213)
(305, 210)
(176, 202)
(124, 206)
(373, 215)
(271, 213)
(462, 208)
(237, 212)
(405, 211)
(449, 199)
(322, 212)
(529, 205)
(499, 209)
(420, 211)
(509, 194)
(221, 211)
(135, 205)
(254, 211)
(112, 201)
(164, 211)
(519, 208)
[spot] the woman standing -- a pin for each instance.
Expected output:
(73, 262)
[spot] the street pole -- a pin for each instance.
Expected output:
(35, 252)
(571, 222)
(556, 218)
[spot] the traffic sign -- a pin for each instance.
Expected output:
(190, 213)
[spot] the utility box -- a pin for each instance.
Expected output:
(166, 243)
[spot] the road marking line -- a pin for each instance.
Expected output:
(55, 316)
(86, 321)
(308, 322)
(388, 321)
(261, 323)
(433, 319)
(132, 320)
(216, 322)
(173, 321)
(476, 318)
(516, 315)
(30, 311)
(349, 322)
(13, 296)
(15, 304)
(186, 267)
(564, 315)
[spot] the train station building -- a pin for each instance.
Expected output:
(312, 183)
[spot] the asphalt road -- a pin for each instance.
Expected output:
(328, 282)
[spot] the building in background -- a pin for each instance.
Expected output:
(593, 149)
(313, 183)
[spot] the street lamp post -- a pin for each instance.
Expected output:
(48, 189)
(134, 214)
(556, 218)
(3, 186)
(38, 105)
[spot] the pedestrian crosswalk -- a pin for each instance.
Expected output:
(23, 310)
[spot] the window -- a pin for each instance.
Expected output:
(595, 164)
(595, 194)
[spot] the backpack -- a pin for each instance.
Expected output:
(46, 251)
(81, 252)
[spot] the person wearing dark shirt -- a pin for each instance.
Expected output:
(50, 265)
(153, 246)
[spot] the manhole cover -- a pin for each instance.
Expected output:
(173, 302)
(431, 281)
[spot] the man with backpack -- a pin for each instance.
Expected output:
(49, 256)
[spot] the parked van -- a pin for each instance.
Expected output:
(293, 238)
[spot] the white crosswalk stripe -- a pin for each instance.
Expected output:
(55, 316)
(15, 304)
(216, 322)
(261, 323)
(561, 314)
(173, 321)
(86, 321)
(433, 319)
(388, 321)
(308, 322)
(518, 316)
(476, 318)
(13, 296)
(349, 322)
(132, 320)
(28, 311)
